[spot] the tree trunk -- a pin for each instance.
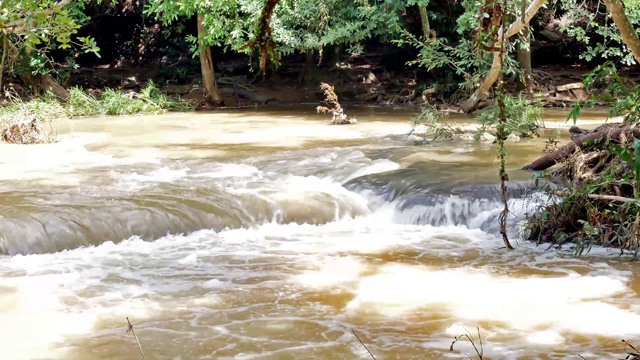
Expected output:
(629, 36)
(4, 56)
(48, 84)
(524, 59)
(211, 91)
(310, 67)
(480, 94)
(424, 18)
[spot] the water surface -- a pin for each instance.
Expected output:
(268, 234)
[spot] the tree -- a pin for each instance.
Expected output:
(471, 104)
(312, 25)
(627, 32)
(211, 91)
(32, 27)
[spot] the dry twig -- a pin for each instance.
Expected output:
(131, 331)
(365, 346)
(479, 352)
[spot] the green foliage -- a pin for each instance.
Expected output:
(111, 102)
(464, 53)
(620, 93)
(46, 107)
(302, 25)
(305, 25)
(607, 86)
(578, 219)
(33, 27)
(524, 117)
(595, 28)
(435, 124)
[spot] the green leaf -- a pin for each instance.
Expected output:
(574, 113)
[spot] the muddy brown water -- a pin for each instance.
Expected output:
(267, 234)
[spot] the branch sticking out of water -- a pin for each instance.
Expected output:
(334, 108)
(130, 331)
(635, 355)
(365, 346)
(479, 352)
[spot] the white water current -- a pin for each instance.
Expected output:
(247, 236)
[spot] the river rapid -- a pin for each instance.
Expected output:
(268, 234)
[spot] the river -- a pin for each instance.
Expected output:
(267, 234)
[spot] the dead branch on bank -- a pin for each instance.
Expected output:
(333, 107)
(131, 331)
(26, 131)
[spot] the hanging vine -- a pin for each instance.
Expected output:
(501, 135)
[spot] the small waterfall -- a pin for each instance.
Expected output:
(472, 206)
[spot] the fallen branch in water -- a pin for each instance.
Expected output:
(130, 331)
(611, 198)
(479, 352)
(365, 346)
(582, 139)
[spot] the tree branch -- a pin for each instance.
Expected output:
(21, 22)
(611, 198)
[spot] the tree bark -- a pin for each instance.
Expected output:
(211, 91)
(629, 35)
(480, 94)
(48, 84)
(524, 59)
(424, 18)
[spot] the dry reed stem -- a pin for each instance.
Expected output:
(131, 331)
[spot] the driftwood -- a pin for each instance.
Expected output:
(572, 86)
(581, 139)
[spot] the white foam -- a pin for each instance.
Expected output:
(376, 166)
(332, 271)
(561, 303)
(47, 162)
(36, 319)
(164, 174)
(228, 170)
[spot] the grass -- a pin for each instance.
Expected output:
(149, 101)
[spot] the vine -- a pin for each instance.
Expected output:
(501, 135)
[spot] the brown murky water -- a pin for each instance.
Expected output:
(269, 235)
